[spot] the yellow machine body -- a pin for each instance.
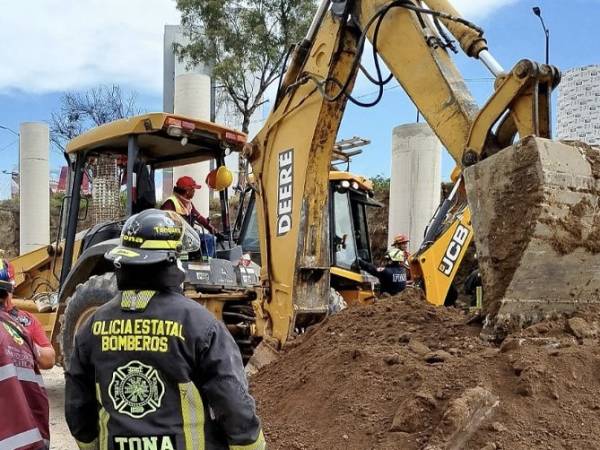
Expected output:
(291, 155)
(437, 265)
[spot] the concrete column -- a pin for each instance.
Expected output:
(415, 181)
(192, 99)
(34, 174)
(167, 183)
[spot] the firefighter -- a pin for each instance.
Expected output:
(392, 276)
(152, 369)
(23, 398)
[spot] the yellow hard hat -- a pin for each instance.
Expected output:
(395, 255)
(219, 179)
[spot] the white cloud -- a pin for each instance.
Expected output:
(55, 45)
(477, 9)
(51, 45)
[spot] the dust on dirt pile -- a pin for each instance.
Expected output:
(403, 374)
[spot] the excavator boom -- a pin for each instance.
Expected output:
(290, 156)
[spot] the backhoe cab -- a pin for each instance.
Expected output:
(350, 198)
(128, 152)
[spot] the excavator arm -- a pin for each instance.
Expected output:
(290, 156)
(290, 160)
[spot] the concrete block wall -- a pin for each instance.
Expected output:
(579, 105)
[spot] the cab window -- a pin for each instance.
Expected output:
(344, 248)
(363, 246)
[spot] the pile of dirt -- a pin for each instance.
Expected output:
(402, 374)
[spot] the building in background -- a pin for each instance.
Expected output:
(579, 105)
(63, 187)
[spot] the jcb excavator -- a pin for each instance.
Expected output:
(435, 266)
(518, 191)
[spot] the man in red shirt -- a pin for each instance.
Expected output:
(23, 398)
(181, 203)
(44, 353)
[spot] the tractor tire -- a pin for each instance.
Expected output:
(86, 299)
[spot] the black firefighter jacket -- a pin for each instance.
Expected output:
(156, 370)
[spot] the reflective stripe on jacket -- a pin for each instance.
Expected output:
(192, 217)
(23, 398)
(179, 208)
(167, 376)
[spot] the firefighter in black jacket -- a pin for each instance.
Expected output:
(392, 277)
(152, 369)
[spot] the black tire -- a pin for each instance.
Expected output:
(86, 299)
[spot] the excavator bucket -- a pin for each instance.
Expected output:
(536, 218)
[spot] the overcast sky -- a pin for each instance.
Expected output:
(58, 45)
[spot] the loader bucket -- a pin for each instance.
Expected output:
(536, 218)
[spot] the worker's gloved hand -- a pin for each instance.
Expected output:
(362, 263)
(220, 237)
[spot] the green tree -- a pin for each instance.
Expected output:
(245, 43)
(381, 184)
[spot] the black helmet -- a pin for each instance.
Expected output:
(153, 236)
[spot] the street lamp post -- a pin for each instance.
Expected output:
(10, 130)
(538, 12)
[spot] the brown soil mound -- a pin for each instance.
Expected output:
(403, 374)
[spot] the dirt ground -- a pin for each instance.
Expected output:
(405, 375)
(60, 438)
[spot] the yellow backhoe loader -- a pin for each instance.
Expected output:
(350, 198)
(74, 276)
(435, 266)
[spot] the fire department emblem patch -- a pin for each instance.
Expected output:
(16, 337)
(136, 389)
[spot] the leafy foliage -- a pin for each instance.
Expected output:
(378, 218)
(381, 184)
(245, 42)
(80, 111)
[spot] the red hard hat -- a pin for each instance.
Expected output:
(401, 239)
(187, 183)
